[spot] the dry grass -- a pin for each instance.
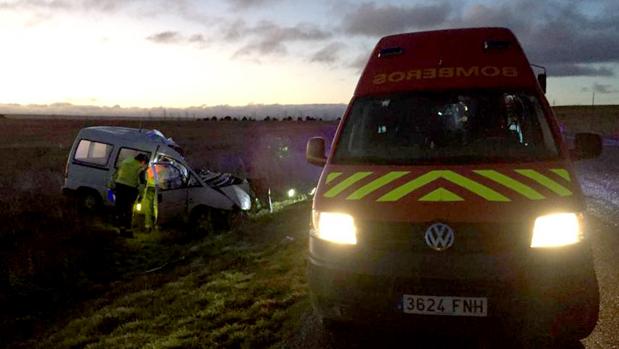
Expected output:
(241, 289)
(602, 119)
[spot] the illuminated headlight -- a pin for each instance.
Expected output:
(138, 207)
(335, 227)
(556, 230)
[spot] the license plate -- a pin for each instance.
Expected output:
(452, 306)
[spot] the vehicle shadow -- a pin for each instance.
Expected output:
(359, 337)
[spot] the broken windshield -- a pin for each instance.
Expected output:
(451, 127)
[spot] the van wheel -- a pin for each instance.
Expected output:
(235, 218)
(88, 201)
(201, 222)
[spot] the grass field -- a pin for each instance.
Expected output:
(238, 289)
(67, 280)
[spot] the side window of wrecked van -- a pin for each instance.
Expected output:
(91, 152)
(125, 153)
(169, 177)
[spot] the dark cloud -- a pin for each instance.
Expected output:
(197, 38)
(369, 19)
(172, 37)
(604, 88)
(167, 37)
(578, 70)
(327, 54)
(268, 38)
(559, 34)
(244, 4)
(359, 63)
(565, 36)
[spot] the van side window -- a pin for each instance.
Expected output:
(169, 176)
(125, 153)
(92, 152)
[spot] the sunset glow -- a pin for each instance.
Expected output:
(192, 53)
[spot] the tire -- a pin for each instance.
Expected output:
(234, 219)
(201, 222)
(89, 201)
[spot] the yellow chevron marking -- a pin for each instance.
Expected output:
(441, 194)
(511, 183)
(376, 184)
(343, 185)
(331, 176)
(545, 181)
(561, 172)
(475, 187)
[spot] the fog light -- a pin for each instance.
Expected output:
(556, 230)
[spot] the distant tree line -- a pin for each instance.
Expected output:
(267, 118)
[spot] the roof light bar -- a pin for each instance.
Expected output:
(390, 51)
(496, 44)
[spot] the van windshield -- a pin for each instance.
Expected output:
(447, 127)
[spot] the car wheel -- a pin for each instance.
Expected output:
(88, 201)
(201, 222)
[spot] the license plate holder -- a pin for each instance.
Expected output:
(445, 305)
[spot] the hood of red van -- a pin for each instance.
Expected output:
(472, 193)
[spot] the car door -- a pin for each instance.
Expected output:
(172, 191)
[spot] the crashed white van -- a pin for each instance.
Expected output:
(199, 197)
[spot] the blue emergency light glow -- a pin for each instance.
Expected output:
(111, 197)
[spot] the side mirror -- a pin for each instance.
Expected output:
(315, 151)
(586, 146)
(541, 78)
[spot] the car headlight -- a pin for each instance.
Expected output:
(557, 229)
(335, 227)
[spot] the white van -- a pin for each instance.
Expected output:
(199, 197)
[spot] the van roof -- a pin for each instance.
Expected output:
(126, 133)
(447, 59)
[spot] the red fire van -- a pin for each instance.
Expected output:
(448, 197)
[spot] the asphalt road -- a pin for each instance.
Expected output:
(600, 181)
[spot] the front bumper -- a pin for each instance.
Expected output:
(358, 284)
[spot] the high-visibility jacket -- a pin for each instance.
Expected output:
(152, 175)
(128, 173)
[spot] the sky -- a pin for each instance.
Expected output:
(188, 53)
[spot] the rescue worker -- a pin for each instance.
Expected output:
(149, 198)
(127, 186)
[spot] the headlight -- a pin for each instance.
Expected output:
(556, 230)
(335, 227)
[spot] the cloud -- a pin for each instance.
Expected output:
(167, 37)
(566, 36)
(245, 4)
(604, 88)
(67, 5)
(560, 34)
(371, 20)
(269, 38)
(578, 70)
(327, 54)
(173, 37)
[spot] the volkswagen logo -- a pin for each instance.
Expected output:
(439, 236)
